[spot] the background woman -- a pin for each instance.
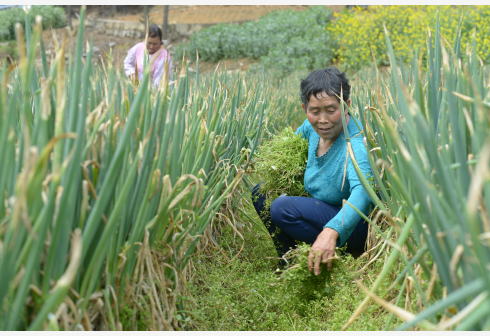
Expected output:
(158, 57)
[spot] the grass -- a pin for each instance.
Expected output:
(280, 164)
(234, 287)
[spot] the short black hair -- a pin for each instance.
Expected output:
(154, 31)
(329, 80)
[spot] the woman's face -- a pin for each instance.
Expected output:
(324, 113)
(153, 44)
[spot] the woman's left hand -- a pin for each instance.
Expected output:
(323, 250)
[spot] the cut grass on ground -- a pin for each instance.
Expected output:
(234, 287)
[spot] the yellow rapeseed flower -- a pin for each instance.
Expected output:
(360, 32)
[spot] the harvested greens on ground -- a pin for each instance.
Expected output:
(299, 282)
(280, 164)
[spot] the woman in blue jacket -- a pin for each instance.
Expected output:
(325, 219)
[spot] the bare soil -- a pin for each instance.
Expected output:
(205, 14)
(209, 14)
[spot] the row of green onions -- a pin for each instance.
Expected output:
(102, 181)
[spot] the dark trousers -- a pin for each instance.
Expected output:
(291, 219)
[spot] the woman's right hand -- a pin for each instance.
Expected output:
(323, 250)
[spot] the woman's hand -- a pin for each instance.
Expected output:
(323, 250)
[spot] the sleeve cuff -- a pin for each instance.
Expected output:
(342, 235)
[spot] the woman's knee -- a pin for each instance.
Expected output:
(282, 208)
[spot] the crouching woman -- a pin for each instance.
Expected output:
(326, 220)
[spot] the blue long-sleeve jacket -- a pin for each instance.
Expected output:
(332, 177)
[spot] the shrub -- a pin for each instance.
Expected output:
(53, 17)
(4, 31)
(359, 33)
(9, 49)
(300, 53)
(8, 18)
(284, 40)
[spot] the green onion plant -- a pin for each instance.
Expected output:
(429, 145)
(107, 188)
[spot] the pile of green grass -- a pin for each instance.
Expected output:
(234, 287)
(280, 164)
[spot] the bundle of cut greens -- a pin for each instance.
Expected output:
(280, 165)
(300, 284)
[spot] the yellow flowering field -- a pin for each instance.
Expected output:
(360, 34)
